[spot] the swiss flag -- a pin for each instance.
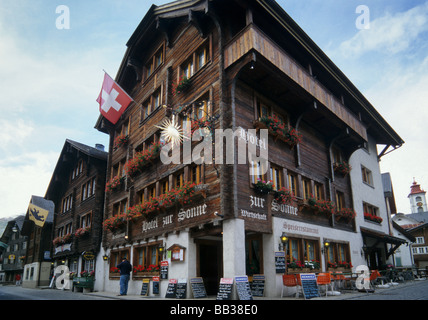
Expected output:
(113, 100)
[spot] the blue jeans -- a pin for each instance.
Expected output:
(124, 279)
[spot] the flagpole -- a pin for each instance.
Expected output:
(119, 86)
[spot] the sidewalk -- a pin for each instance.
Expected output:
(345, 295)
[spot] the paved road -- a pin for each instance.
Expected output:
(19, 293)
(416, 290)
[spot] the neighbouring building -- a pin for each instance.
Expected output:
(417, 197)
(12, 254)
(77, 190)
(318, 200)
(38, 263)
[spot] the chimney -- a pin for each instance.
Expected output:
(99, 146)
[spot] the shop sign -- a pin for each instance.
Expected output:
(192, 212)
(253, 215)
(88, 255)
(284, 208)
(299, 228)
(62, 248)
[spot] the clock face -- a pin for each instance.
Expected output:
(419, 204)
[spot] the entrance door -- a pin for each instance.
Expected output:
(210, 264)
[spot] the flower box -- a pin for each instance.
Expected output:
(120, 141)
(182, 85)
(143, 159)
(342, 167)
(278, 129)
(346, 214)
(115, 183)
(284, 196)
(263, 187)
(372, 217)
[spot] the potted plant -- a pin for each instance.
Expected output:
(120, 141)
(342, 167)
(182, 85)
(279, 129)
(345, 213)
(263, 187)
(114, 183)
(284, 196)
(372, 217)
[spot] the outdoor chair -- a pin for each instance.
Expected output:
(290, 281)
(323, 279)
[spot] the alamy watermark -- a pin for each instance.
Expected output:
(63, 20)
(363, 20)
(222, 146)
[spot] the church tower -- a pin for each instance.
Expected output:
(418, 202)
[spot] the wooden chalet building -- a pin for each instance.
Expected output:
(248, 67)
(77, 190)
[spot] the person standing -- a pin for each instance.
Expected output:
(125, 269)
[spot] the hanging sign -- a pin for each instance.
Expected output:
(280, 262)
(164, 270)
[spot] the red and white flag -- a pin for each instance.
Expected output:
(113, 100)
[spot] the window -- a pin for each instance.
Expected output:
(276, 177)
(306, 188)
(120, 207)
(254, 254)
(367, 176)
(146, 256)
(292, 182)
(151, 104)
(119, 169)
(179, 179)
(420, 240)
(302, 250)
(340, 200)
(257, 171)
(338, 252)
(265, 110)
(88, 189)
(78, 169)
(337, 155)
(154, 62)
(196, 61)
(196, 174)
(86, 220)
(318, 191)
(67, 203)
(116, 257)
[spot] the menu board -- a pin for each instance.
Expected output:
(171, 289)
(225, 289)
(243, 288)
(164, 270)
(198, 288)
(280, 261)
(309, 285)
(156, 285)
(145, 288)
(181, 291)
(258, 285)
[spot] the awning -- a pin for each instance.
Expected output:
(382, 238)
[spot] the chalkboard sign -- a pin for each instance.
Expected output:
(145, 288)
(225, 289)
(309, 285)
(171, 289)
(280, 262)
(198, 288)
(181, 289)
(243, 288)
(155, 285)
(164, 270)
(258, 285)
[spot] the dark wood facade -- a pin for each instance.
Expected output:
(247, 59)
(77, 189)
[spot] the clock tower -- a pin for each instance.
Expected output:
(418, 202)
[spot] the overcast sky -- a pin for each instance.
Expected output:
(51, 77)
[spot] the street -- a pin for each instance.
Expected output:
(19, 293)
(410, 290)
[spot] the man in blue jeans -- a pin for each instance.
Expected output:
(125, 269)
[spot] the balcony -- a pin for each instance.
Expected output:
(253, 39)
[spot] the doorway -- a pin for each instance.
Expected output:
(210, 264)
